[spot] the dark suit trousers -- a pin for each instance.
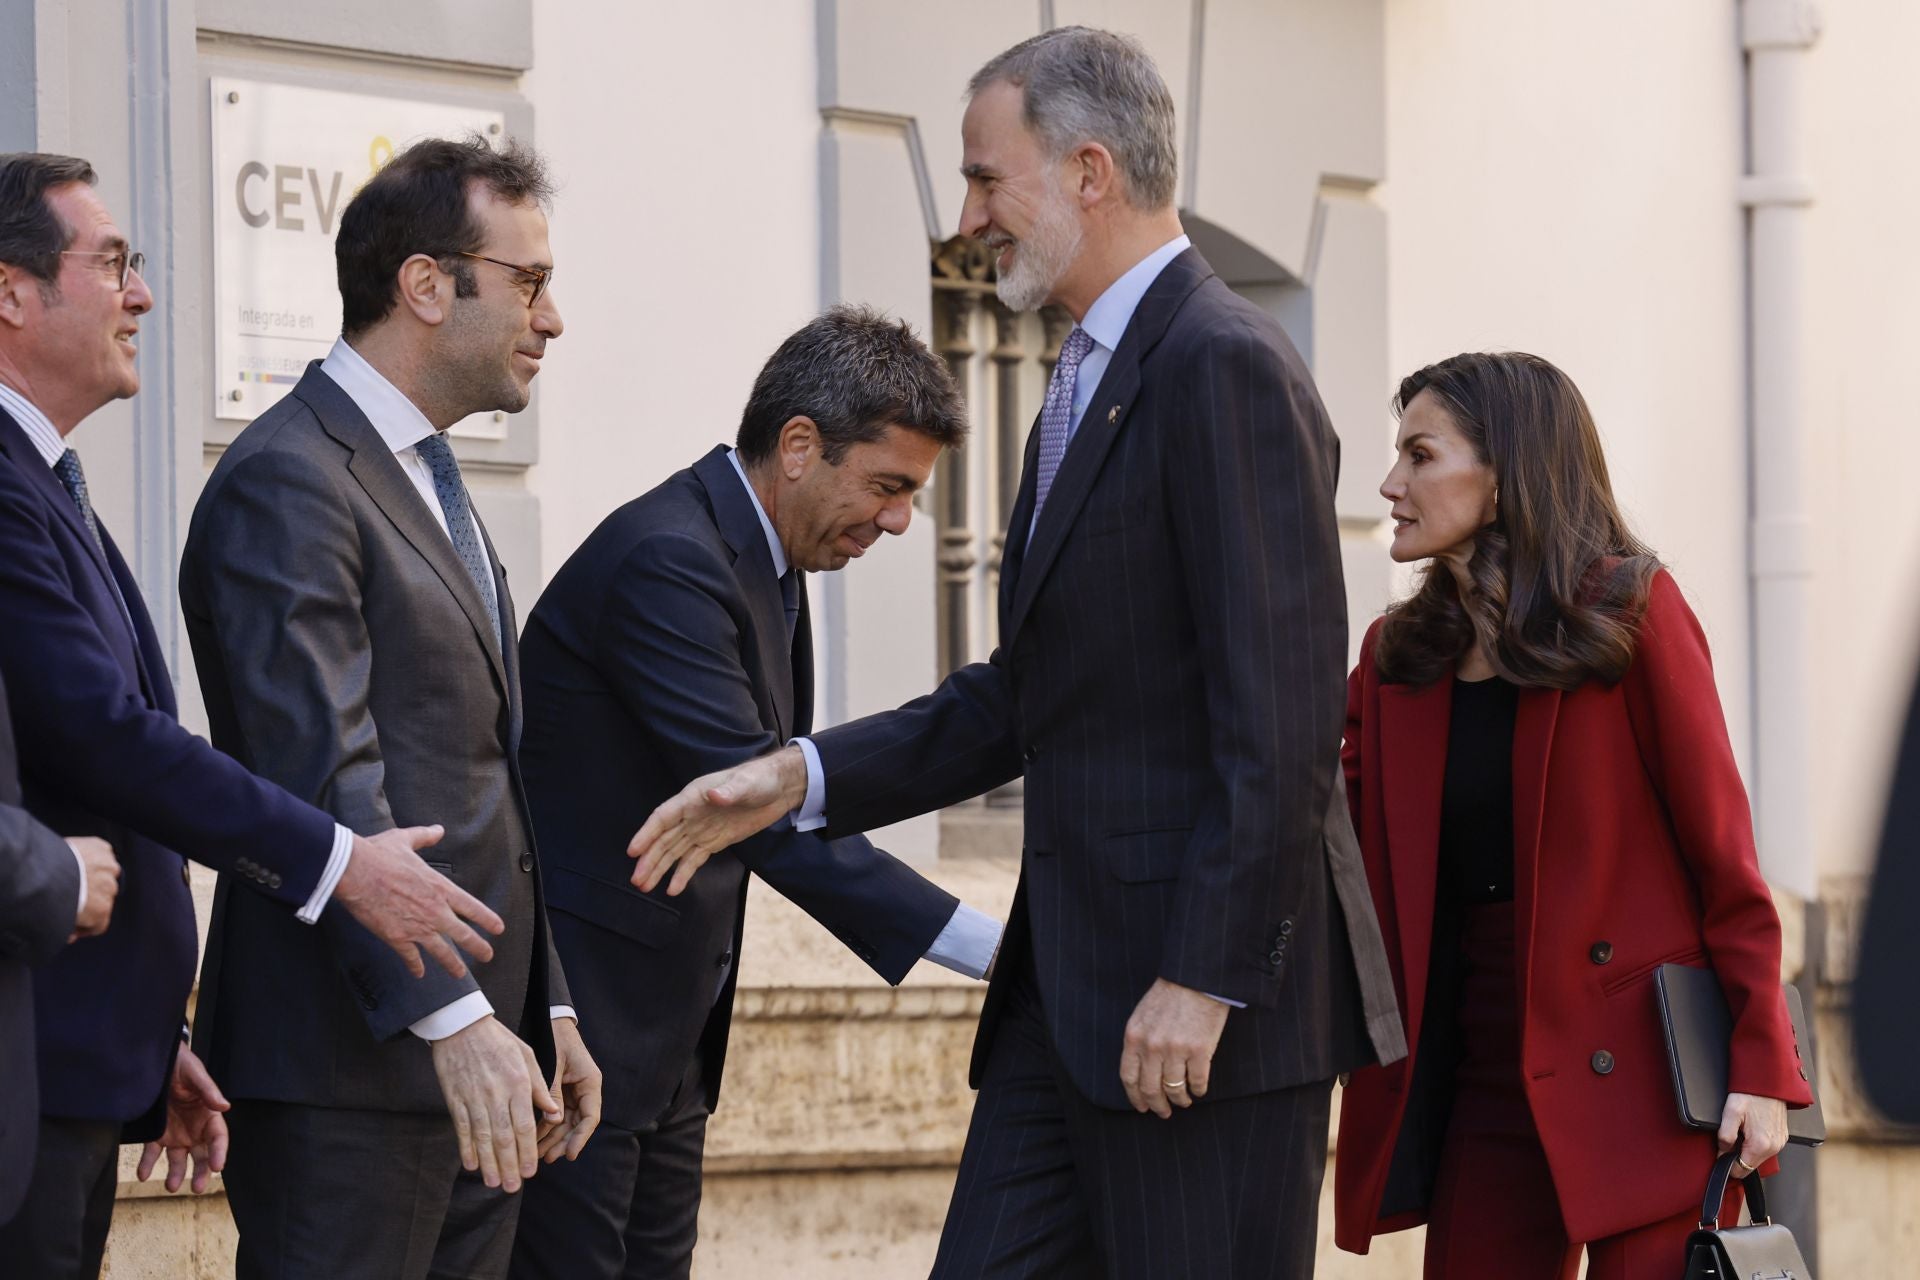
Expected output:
(60, 1230)
(1053, 1186)
(323, 1192)
(628, 1208)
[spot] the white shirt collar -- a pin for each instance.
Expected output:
(773, 539)
(397, 419)
(1108, 317)
(39, 428)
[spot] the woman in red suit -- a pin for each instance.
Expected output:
(1549, 809)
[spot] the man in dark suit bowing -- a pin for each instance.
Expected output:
(1192, 955)
(103, 754)
(356, 642)
(674, 642)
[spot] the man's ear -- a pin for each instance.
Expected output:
(1095, 173)
(425, 289)
(799, 445)
(14, 282)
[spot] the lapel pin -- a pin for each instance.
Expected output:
(1113, 415)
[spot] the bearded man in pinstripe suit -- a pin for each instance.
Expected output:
(1192, 955)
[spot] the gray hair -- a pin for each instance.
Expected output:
(1083, 85)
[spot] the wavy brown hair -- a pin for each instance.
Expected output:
(1559, 580)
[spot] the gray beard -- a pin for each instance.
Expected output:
(1040, 260)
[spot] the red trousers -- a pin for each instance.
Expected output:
(1494, 1211)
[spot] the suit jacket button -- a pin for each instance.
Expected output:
(1600, 952)
(1602, 1063)
(1032, 752)
(273, 880)
(1286, 928)
(526, 862)
(1275, 956)
(724, 959)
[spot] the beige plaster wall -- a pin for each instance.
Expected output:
(685, 235)
(1561, 181)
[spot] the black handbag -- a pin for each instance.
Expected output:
(1763, 1251)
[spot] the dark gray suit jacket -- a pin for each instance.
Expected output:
(345, 653)
(39, 885)
(1171, 682)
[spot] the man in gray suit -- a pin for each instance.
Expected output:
(51, 891)
(356, 643)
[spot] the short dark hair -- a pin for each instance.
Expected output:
(31, 233)
(855, 372)
(418, 204)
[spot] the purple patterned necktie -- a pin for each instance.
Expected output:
(1057, 414)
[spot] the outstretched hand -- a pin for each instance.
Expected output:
(716, 812)
(410, 906)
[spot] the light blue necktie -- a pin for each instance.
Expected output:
(1056, 415)
(454, 504)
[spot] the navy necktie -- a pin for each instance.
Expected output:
(75, 479)
(790, 597)
(452, 492)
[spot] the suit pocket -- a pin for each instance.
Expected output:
(1115, 518)
(1143, 857)
(1621, 981)
(444, 868)
(617, 908)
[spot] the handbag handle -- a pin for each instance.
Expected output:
(1717, 1194)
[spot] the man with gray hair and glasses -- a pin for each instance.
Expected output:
(102, 754)
(1192, 955)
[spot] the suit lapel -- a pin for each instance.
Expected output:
(740, 527)
(14, 443)
(1413, 765)
(509, 638)
(1093, 439)
(1013, 556)
(803, 667)
(1533, 726)
(378, 472)
(114, 574)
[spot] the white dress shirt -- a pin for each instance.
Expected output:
(48, 442)
(402, 427)
(967, 943)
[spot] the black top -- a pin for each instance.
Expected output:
(1476, 805)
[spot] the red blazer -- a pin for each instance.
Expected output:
(1631, 850)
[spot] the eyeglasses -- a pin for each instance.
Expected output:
(119, 261)
(538, 277)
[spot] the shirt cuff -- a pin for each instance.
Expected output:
(330, 879)
(812, 813)
(1231, 1004)
(968, 943)
(458, 1016)
(559, 1011)
(81, 863)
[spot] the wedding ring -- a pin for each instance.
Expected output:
(1178, 1084)
(1744, 1165)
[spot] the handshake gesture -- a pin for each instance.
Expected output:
(715, 812)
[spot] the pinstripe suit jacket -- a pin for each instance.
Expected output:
(1169, 682)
